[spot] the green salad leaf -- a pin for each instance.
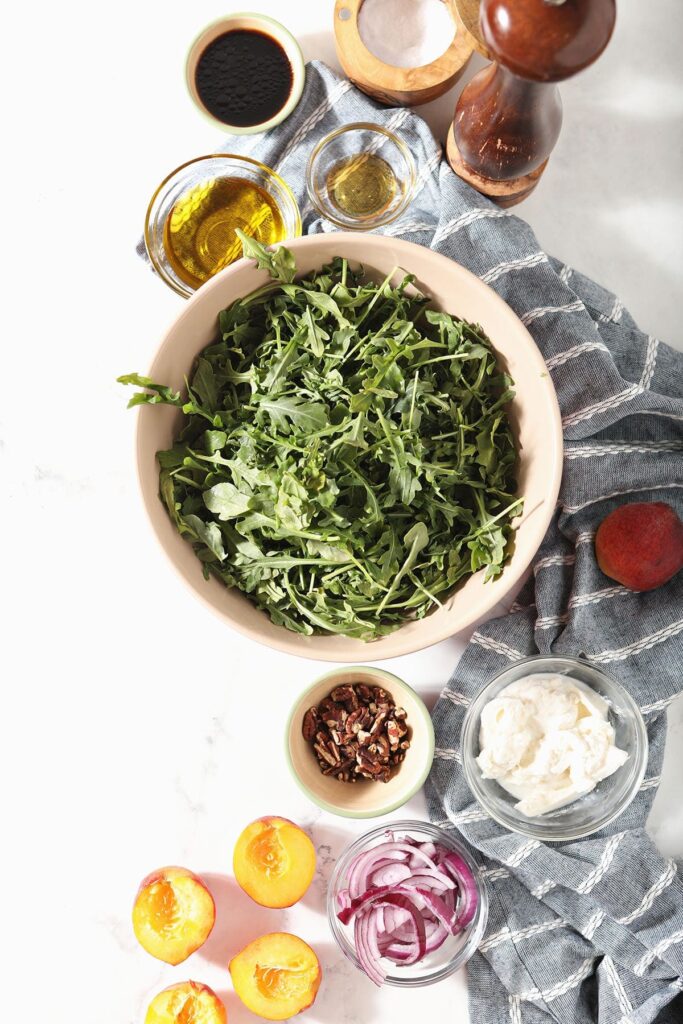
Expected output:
(346, 457)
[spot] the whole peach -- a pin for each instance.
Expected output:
(640, 544)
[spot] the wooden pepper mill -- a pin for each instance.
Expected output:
(508, 117)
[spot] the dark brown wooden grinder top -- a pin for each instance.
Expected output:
(508, 118)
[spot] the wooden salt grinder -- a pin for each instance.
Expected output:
(508, 117)
(389, 84)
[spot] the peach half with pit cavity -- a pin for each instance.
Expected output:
(190, 1002)
(173, 914)
(274, 862)
(276, 976)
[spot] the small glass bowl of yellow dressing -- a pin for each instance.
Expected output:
(361, 176)
(192, 216)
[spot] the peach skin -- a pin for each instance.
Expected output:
(640, 544)
(276, 976)
(186, 1003)
(173, 914)
(274, 862)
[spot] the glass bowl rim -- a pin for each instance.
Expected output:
(551, 833)
(476, 928)
(268, 173)
(370, 223)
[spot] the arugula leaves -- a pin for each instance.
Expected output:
(346, 457)
(278, 262)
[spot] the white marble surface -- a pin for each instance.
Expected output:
(137, 730)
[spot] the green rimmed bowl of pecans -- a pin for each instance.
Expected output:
(359, 742)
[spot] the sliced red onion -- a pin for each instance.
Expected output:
(343, 899)
(405, 898)
(435, 934)
(367, 947)
(366, 863)
(441, 911)
(395, 894)
(394, 917)
(390, 874)
(424, 849)
(414, 939)
(464, 879)
(395, 949)
(437, 879)
(397, 952)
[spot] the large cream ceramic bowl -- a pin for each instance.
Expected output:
(534, 413)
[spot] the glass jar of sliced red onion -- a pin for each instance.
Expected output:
(407, 904)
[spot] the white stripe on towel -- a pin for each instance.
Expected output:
(621, 448)
(650, 362)
(447, 754)
(497, 646)
(638, 646)
(642, 965)
(603, 865)
(504, 268)
(505, 935)
(659, 705)
(521, 854)
(651, 895)
(545, 563)
(455, 697)
(539, 311)
(574, 352)
(562, 987)
(613, 402)
(625, 1004)
(593, 924)
(570, 509)
(312, 120)
(464, 220)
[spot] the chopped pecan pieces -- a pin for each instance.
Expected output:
(310, 725)
(357, 732)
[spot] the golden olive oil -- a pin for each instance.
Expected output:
(199, 233)
(362, 185)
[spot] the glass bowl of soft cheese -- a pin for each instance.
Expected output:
(553, 748)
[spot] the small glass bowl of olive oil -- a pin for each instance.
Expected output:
(361, 176)
(192, 216)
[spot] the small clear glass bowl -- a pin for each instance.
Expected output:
(456, 950)
(587, 813)
(196, 172)
(360, 140)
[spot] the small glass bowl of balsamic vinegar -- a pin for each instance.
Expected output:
(192, 216)
(361, 176)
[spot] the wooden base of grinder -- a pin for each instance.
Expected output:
(504, 193)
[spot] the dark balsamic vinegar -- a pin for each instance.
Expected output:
(244, 77)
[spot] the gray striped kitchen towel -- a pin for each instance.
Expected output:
(588, 931)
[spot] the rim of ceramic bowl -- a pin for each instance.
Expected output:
(187, 292)
(369, 222)
(478, 925)
(534, 830)
(412, 636)
(291, 48)
(384, 808)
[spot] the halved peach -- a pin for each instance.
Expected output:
(276, 976)
(274, 862)
(173, 914)
(190, 1002)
